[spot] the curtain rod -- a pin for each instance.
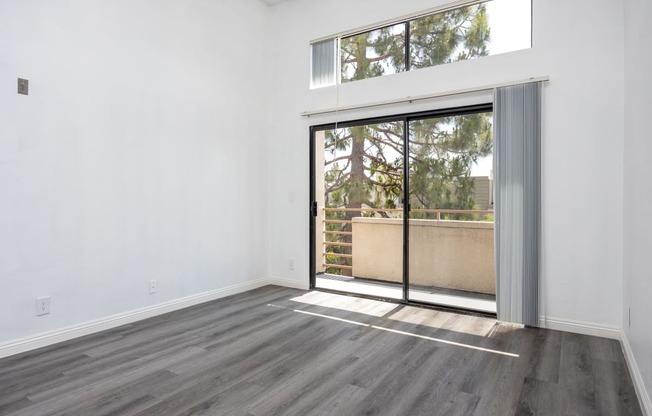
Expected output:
(422, 97)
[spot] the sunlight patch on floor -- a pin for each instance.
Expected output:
(346, 303)
(405, 333)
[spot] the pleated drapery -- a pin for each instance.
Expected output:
(517, 175)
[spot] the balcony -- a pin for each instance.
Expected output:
(361, 250)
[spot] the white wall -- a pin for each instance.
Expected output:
(638, 191)
(139, 154)
(151, 146)
(582, 138)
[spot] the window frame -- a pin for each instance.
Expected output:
(406, 20)
(405, 118)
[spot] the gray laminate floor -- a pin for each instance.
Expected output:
(278, 351)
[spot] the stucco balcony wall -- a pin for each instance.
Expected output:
(445, 254)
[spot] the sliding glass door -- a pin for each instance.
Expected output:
(438, 248)
(358, 208)
(451, 233)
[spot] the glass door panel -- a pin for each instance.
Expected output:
(359, 175)
(451, 233)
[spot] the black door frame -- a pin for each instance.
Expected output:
(313, 208)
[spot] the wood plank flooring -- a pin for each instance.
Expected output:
(279, 351)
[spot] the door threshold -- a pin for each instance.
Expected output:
(384, 290)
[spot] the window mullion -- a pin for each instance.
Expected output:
(407, 45)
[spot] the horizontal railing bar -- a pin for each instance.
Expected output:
(365, 209)
(454, 211)
(335, 243)
(348, 256)
(338, 221)
(338, 232)
(432, 211)
(337, 266)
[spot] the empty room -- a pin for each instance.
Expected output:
(308, 207)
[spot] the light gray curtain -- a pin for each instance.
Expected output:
(323, 63)
(517, 175)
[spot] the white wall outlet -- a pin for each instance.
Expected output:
(291, 264)
(42, 306)
(153, 286)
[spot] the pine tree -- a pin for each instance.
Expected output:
(364, 164)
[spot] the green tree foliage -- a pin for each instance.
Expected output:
(372, 54)
(437, 39)
(442, 152)
(456, 35)
(364, 164)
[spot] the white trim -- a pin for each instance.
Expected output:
(416, 98)
(75, 331)
(579, 327)
(637, 378)
(289, 283)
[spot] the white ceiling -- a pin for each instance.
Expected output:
(272, 2)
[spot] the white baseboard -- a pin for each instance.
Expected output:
(579, 327)
(289, 283)
(637, 378)
(64, 334)
(586, 328)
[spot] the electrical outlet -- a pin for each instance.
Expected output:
(291, 264)
(42, 306)
(153, 286)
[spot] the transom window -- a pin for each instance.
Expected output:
(463, 33)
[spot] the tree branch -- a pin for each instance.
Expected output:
(385, 172)
(337, 159)
(372, 205)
